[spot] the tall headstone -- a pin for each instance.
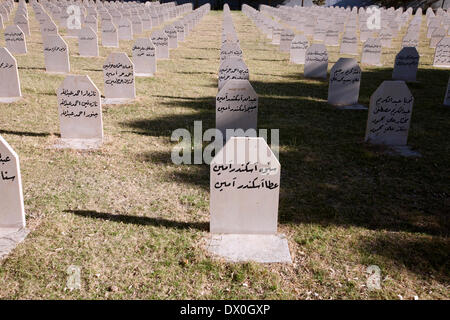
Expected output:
(22, 21)
(144, 57)
(173, 37)
(15, 40)
(232, 68)
(87, 42)
(371, 54)
(56, 54)
(299, 45)
(286, 38)
(125, 29)
(349, 43)
(345, 80)
(389, 114)
(118, 74)
(110, 37)
(442, 54)
(316, 62)
(10, 86)
(406, 64)
(161, 42)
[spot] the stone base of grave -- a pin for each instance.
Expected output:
(143, 74)
(78, 144)
(404, 151)
(353, 107)
(10, 238)
(56, 72)
(116, 101)
(9, 99)
(262, 248)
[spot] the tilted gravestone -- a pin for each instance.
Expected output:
(232, 68)
(236, 107)
(118, 75)
(344, 84)
(56, 54)
(316, 62)
(80, 113)
(15, 40)
(406, 64)
(144, 57)
(10, 87)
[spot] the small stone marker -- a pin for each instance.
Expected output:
(10, 87)
(349, 43)
(245, 187)
(161, 42)
(15, 40)
(118, 74)
(125, 29)
(110, 37)
(371, 54)
(87, 42)
(56, 54)
(232, 68)
(299, 45)
(389, 114)
(316, 62)
(12, 213)
(345, 80)
(406, 64)
(144, 58)
(236, 106)
(80, 113)
(442, 54)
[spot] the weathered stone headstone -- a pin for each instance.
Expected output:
(406, 64)
(236, 107)
(118, 74)
(80, 113)
(161, 42)
(298, 49)
(10, 85)
(345, 80)
(15, 40)
(442, 54)
(87, 42)
(349, 43)
(316, 61)
(245, 187)
(125, 29)
(389, 114)
(371, 54)
(56, 54)
(232, 68)
(110, 37)
(144, 57)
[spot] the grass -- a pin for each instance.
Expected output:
(135, 223)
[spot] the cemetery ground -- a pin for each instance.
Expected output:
(135, 223)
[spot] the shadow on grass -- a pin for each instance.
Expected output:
(145, 221)
(25, 134)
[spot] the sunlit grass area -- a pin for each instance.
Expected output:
(136, 224)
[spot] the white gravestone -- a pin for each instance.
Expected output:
(345, 80)
(87, 42)
(349, 43)
(173, 37)
(56, 54)
(245, 188)
(15, 40)
(286, 39)
(316, 62)
(22, 21)
(161, 42)
(10, 87)
(389, 114)
(125, 29)
(406, 64)
(110, 37)
(299, 45)
(118, 74)
(236, 107)
(229, 49)
(144, 58)
(48, 27)
(137, 25)
(371, 53)
(232, 68)
(80, 113)
(442, 54)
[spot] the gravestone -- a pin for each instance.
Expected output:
(331, 36)
(345, 80)
(144, 57)
(173, 38)
(298, 49)
(146, 22)
(12, 212)
(56, 54)
(232, 68)
(161, 42)
(125, 29)
(406, 64)
(118, 74)
(15, 40)
(137, 25)
(22, 22)
(48, 27)
(245, 187)
(10, 85)
(229, 49)
(349, 43)
(236, 106)
(286, 38)
(437, 35)
(110, 37)
(442, 54)
(410, 40)
(371, 54)
(316, 61)
(389, 114)
(87, 42)
(385, 37)
(80, 113)
(179, 27)
(91, 21)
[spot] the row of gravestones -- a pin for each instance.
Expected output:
(80, 115)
